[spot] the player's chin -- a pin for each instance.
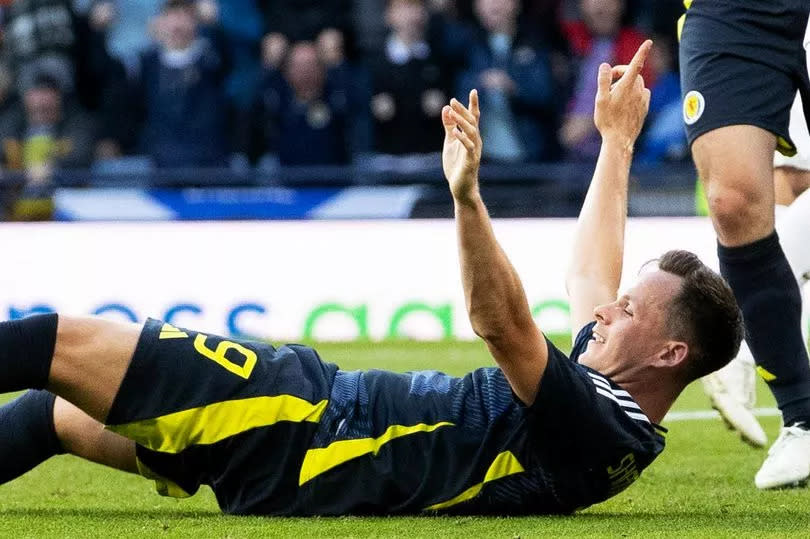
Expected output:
(589, 349)
(593, 350)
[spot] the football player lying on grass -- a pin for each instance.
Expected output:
(278, 431)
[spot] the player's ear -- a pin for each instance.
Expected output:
(672, 354)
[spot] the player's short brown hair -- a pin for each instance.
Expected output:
(704, 314)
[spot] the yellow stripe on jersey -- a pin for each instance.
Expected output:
(163, 486)
(505, 464)
(206, 425)
(767, 376)
(687, 3)
(318, 461)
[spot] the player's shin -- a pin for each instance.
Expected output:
(27, 435)
(769, 297)
(26, 351)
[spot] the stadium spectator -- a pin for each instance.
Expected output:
(125, 25)
(42, 36)
(180, 89)
(410, 84)
(291, 21)
(513, 74)
(303, 114)
(46, 133)
(600, 37)
(664, 137)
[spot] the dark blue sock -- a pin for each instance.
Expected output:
(765, 288)
(27, 434)
(26, 351)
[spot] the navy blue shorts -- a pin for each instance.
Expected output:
(742, 62)
(233, 414)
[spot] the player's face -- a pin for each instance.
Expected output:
(632, 331)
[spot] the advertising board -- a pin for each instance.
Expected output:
(327, 280)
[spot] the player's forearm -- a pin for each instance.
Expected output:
(599, 238)
(496, 302)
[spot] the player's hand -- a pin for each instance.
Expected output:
(621, 107)
(461, 156)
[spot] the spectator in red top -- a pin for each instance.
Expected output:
(599, 37)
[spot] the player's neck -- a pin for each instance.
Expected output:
(654, 397)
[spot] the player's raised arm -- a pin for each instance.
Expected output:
(496, 303)
(596, 259)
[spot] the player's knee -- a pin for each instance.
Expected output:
(738, 209)
(728, 205)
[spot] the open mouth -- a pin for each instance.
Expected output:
(597, 338)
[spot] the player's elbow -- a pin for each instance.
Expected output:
(500, 332)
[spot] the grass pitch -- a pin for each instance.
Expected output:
(702, 486)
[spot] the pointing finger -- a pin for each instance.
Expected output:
(636, 64)
(474, 108)
(604, 80)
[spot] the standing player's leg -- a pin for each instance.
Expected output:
(732, 389)
(738, 82)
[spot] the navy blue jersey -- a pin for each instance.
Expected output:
(404, 443)
(279, 431)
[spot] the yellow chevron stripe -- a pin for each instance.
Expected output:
(168, 331)
(206, 425)
(318, 461)
(505, 464)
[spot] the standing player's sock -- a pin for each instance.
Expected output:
(765, 288)
(26, 351)
(27, 434)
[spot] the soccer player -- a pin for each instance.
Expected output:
(741, 65)
(279, 431)
(732, 389)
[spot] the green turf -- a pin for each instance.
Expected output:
(700, 487)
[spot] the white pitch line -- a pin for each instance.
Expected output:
(690, 415)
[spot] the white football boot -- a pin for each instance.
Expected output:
(788, 462)
(732, 391)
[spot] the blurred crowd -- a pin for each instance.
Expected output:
(268, 83)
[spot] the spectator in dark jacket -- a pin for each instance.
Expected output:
(410, 84)
(180, 88)
(513, 75)
(304, 116)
